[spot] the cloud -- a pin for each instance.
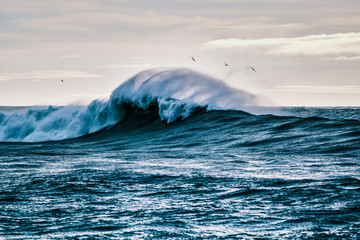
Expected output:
(36, 75)
(318, 89)
(340, 44)
(128, 66)
(15, 36)
(100, 21)
(347, 59)
(69, 56)
(137, 58)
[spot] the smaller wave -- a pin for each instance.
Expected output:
(175, 93)
(56, 123)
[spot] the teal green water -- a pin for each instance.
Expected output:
(293, 174)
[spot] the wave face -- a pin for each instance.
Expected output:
(176, 93)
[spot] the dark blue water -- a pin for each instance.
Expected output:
(218, 174)
(215, 174)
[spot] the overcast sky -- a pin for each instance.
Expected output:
(306, 53)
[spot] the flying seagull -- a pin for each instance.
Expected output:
(253, 69)
(227, 65)
(193, 58)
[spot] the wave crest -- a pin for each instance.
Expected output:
(189, 87)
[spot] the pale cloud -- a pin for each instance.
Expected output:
(89, 21)
(57, 74)
(41, 7)
(128, 66)
(340, 44)
(137, 58)
(346, 59)
(347, 89)
(68, 56)
(16, 37)
(343, 21)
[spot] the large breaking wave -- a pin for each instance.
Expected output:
(175, 93)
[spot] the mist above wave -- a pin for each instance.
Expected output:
(187, 86)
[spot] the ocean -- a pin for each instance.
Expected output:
(174, 154)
